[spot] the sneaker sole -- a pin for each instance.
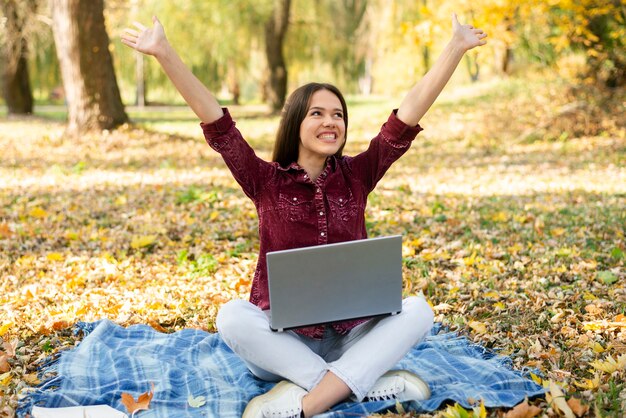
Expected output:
(413, 379)
(253, 409)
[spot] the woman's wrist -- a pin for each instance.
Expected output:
(164, 51)
(456, 47)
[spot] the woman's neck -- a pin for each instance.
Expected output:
(313, 167)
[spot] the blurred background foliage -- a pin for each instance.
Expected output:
(363, 46)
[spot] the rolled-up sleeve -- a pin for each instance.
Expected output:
(251, 172)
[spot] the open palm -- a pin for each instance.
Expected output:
(467, 36)
(149, 41)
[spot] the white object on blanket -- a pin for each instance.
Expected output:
(92, 411)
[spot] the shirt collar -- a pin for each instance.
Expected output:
(330, 162)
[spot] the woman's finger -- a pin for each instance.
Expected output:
(131, 32)
(129, 43)
(140, 26)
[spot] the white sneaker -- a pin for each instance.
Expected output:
(399, 385)
(283, 401)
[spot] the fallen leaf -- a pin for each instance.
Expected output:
(577, 407)
(610, 365)
(4, 363)
(157, 327)
(196, 402)
(9, 347)
(142, 402)
(142, 241)
(523, 410)
(479, 327)
(5, 231)
(5, 327)
(55, 257)
(38, 212)
(5, 378)
(558, 400)
(31, 379)
(607, 277)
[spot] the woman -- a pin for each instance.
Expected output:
(309, 195)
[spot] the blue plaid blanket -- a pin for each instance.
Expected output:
(111, 360)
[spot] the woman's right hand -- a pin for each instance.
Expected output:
(150, 41)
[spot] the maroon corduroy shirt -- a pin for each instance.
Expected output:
(296, 212)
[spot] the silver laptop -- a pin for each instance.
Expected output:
(335, 282)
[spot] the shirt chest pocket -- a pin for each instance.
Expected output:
(294, 206)
(342, 205)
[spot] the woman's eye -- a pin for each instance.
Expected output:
(316, 113)
(339, 115)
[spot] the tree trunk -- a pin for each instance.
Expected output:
(16, 81)
(275, 30)
(473, 68)
(140, 76)
(82, 45)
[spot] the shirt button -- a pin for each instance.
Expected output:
(295, 198)
(318, 190)
(305, 176)
(322, 234)
(321, 213)
(340, 199)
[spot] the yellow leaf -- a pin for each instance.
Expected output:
(499, 217)
(71, 235)
(121, 200)
(535, 378)
(589, 384)
(55, 257)
(5, 378)
(557, 232)
(214, 215)
(480, 411)
(499, 305)
(492, 294)
(5, 327)
(597, 347)
(38, 212)
(589, 296)
(610, 365)
(142, 241)
(400, 408)
(479, 327)
(558, 400)
(196, 402)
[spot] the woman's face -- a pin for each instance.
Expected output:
(323, 131)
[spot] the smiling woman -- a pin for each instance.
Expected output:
(310, 194)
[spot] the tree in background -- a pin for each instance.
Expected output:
(275, 31)
(89, 81)
(15, 77)
(597, 27)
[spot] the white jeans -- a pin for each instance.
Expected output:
(358, 358)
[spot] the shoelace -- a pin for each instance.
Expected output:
(387, 392)
(293, 413)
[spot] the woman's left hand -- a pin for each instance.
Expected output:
(467, 36)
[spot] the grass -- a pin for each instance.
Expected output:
(515, 233)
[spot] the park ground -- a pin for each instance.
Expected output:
(511, 204)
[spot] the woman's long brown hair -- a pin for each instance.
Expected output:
(287, 142)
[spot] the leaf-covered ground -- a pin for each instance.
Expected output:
(511, 203)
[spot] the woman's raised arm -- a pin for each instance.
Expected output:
(423, 94)
(152, 41)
